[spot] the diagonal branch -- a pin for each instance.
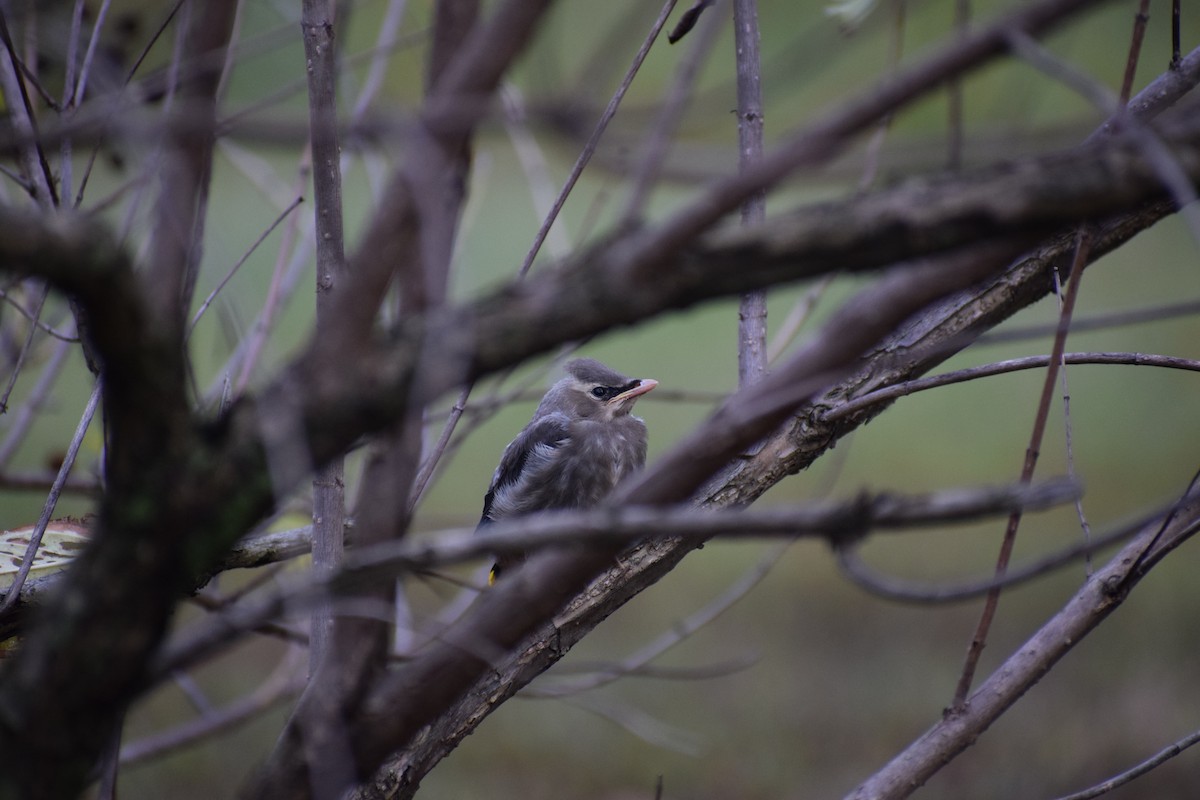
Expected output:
(917, 347)
(513, 621)
(1099, 597)
(90, 647)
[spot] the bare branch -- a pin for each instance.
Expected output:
(906, 388)
(638, 663)
(837, 522)
(35, 320)
(1083, 244)
(279, 687)
(589, 148)
(864, 577)
(752, 311)
(35, 538)
(34, 164)
(40, 293)
(1117, 781)
(329, 508)
(164, 470)
(1098, 598)
(187, 167)
(833, 132)
(233, 270)
(654, 151)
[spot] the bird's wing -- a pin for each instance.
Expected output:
(536, 443)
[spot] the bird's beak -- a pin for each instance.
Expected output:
(644, 385)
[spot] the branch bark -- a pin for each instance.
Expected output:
(320, 55)
(330, 765)
(752, 310)
(66, 691)
(1100, 596)
(86, 658)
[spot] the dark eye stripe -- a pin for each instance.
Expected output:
(609, 392)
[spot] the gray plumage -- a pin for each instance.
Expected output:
(581, 442)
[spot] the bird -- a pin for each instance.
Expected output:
(581, 442)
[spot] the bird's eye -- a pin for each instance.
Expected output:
(600, 392)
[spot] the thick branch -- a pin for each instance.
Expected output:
(551, 587)
(618, 282)
(1036, 196)
(186, 166)
(75, 675)
(417, 230)
(916, 348)
(347, 399)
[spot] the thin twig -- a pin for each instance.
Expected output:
(829, 135)
(245, 256)
(35, 538)
(1135, 48)
(879, 136)
(589, 147)
(230, 56)
(898, 390)
(64, 163)
(192, 691)
(954, 95)
(1117, 781)
(431, 461)
(1150, 549)
(285, 278)
(859, 573)
(41, 291)
(137, 63)
(281, 685)
(1068, 441)
(1106, 321)
(387, 41)
(634, 720)
(637, 663)
(670, 114)
(979, 639)
(28, 411)
(1121, 119)
(85, 71)
(35, 319)
(483, 411)
(534, 164)
(795, 319)
(22, 118)
(835, 521)
(1028, 49)
(961, 727)
(41, 482)
(1175, 26)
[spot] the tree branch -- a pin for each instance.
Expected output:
(1098, 598)
(187, 166)
(86, 658)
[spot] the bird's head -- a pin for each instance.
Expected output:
(591, 390)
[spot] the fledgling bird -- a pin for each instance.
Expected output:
(581, 442)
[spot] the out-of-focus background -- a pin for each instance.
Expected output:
(806, 685)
